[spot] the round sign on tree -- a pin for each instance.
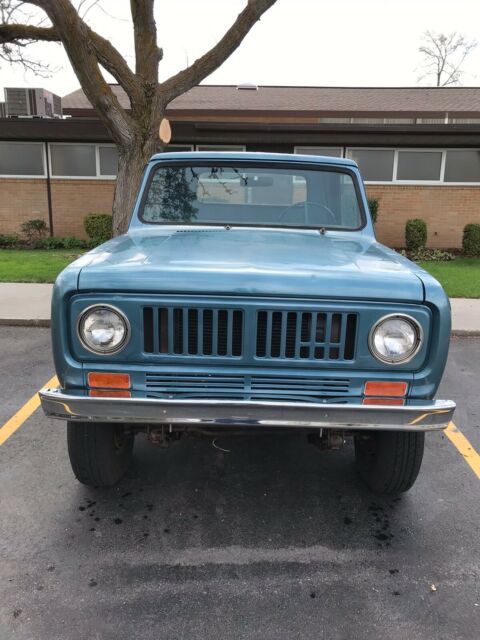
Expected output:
(165, 131)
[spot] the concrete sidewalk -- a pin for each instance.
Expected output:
(25, 304)
(29, 304)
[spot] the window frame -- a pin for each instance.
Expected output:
(428, 183)
(173, 147)
(314, 146)
(419, 150)
(457, 184)
(103, 176)
(37, 176)
(256, 164)
(221, 147)
(394, 168)
(96, 145)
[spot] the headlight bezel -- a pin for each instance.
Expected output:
(105, 351)
(416, 326)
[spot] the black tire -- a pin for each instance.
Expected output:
(100, 454)
(389, 461)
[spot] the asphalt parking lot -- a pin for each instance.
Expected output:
(269, 540)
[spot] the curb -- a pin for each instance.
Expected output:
(24, 322)
(38, 322)
(465, 333)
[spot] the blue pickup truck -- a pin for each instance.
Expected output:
(249, 294)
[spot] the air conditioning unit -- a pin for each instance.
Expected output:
(34, 103)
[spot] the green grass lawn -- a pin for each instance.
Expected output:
(460, 278)
(20, 265)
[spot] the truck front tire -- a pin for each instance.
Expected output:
(100, 454)
(389, 461)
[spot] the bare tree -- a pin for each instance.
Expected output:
(134, 130)
(444, 56)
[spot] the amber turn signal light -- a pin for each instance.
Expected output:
(109, 380)
(108, 393)
(384, 401)
(389, 389)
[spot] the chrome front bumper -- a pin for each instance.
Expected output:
(420, 415)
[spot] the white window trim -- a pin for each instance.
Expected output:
(103, 176)
(175, 146)
(322, 146)
(226, 147)
(97, 176)
(459, 184)
(394, 170)
(442, 153)
(419, 183)
(37, 176)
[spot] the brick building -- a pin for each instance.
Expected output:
(418, 149)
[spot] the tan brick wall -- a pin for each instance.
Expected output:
(72, 200)
(446, 210)
(21, 200)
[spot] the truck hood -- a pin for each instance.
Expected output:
(250, 261)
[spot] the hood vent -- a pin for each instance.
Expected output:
(200, 231)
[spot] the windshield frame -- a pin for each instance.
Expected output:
(255, 164)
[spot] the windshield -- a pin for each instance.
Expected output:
(262, 195)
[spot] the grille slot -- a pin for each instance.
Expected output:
(306, 335)
(191, 331)
(254, 387)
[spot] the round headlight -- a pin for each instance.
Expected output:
(395, 339)
(103, 329)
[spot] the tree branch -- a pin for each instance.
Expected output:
(83, 46)
(445, 55)
(107, 55)
(15, 32)
(113, 62)
(210, 61)
(147, 53)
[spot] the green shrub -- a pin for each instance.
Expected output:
(98, 226)
(51, 242)
(34, 230)
(70, 242)
(373, 204)
(9, 240)
(415, 235)
(432, 255)
(92, 243)
(471, 240)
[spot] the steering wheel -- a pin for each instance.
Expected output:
(306, 204)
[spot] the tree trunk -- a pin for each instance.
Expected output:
(131, 163)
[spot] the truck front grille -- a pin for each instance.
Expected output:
(306, 335)
(190, 331)
(254, 387)
(250, 334)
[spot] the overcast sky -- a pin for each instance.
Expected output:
(297, 42)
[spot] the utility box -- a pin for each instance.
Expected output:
(22, 102)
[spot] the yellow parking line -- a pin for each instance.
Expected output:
(456, 437)
(23, 414)
(464, 447)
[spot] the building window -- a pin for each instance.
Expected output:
(73, 160)
(70, 160)
(178, 147)
(22, 159)
(336, 152)
(419, 165)
(376, 165)
(108, 159)
(462, 165)
(220, 147)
